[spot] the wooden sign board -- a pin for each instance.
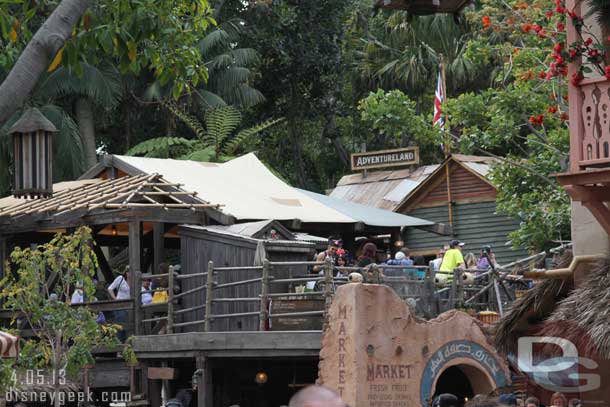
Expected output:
(160, 373)
(385, 158)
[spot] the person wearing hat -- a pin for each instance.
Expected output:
(451, 260)
(78, 296)
(400, 259)
(146, 294)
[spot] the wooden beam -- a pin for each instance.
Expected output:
(204, 381)
(103, 263)
(588, 193)
(158, 246)
(135, 284)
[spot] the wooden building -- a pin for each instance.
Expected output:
(463, 208)
(224, 247)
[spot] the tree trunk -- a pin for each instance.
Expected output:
(38, 55)
(86, 127)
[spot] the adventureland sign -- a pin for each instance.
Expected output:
(385, 158)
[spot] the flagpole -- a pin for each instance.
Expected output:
(447, 145)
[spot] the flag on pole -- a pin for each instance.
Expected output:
(439, 97)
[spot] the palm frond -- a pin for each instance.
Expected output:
(244, 95)
(208, 100)
(215, 38)
(68, 154)
(231, 146)
(600, 9)
(102, 86)
(162, 147)
(245, 56)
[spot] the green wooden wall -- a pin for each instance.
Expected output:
(475, 224)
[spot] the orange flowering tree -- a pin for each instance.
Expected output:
(522, 117)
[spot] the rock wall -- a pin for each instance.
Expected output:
(377, 353)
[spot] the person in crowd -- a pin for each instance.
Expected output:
(160, 296)
(532, 402)
(341, 262)
(574, 403)
(400, 259)
(436, 263)
(119, 290)
(146, 294)
(486, 258)
(100, 291)
(508, 399)
(452, 259)
(446, 400)
(419, 261)
(559, 400)
(368, 256)
(316, 396)
(330, 252)
(470, 261)
(78, 296)
(482, 401)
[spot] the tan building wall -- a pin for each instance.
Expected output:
(376, 353)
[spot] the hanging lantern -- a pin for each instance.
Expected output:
(423, 7)
(33, 155)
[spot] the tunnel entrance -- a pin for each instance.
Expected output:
(463, 381)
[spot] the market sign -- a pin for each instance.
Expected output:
(385, 158)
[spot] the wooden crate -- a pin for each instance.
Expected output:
(296, 323)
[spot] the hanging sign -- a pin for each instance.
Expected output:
(385, 158)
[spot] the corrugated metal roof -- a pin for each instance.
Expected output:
(381, 189)
(387, 189)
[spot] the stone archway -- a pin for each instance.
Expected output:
(464, 380)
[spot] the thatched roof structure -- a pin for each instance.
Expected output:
(32, 120)
(556, 308)
(528, 311)
(584, 316)
(532, 309)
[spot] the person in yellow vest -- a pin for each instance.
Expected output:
(451, 260)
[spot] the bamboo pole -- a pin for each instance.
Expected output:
(264, 295)
(209, 292)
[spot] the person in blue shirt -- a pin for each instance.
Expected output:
(400, 259)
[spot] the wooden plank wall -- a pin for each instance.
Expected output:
(465, 186)
(476, 224)
(199, 247)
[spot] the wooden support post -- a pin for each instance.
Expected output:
(458, 276)
(158, 246)
(170, 300)
(498, 297)
(3, 255)
(328, 286)
(135, 254)
(428, 296)
(101, 259)
(262, 320)
(204, 381)
(209, 292)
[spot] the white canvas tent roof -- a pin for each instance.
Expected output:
(249, 191)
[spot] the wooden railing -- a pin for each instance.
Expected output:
(415, 284)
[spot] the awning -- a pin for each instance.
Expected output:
(9, 345)
(247, 190)
(367, 214)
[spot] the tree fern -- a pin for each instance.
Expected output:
(220, 123)
(163, 147)
(231, 146)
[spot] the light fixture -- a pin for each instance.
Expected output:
(399, 243)
(260, 378)
(113, 231)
